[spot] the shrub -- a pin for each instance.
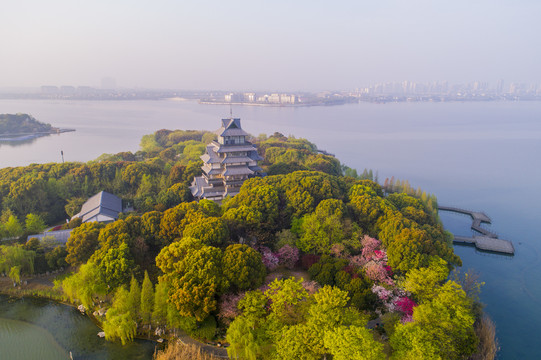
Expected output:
(179, 351)
(205, 330)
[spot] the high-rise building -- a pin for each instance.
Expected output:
(228, 162)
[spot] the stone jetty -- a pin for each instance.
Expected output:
(487, 241)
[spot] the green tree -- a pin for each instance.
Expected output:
(16, 256)
(305, 189)
(159, 313)
(409, 250)
(353, 343)
(116, 266)
(82, 243)
(83, 285)
(120, 320)
(134, 298)
(56, 258)
(367, 206)
(288, 299)
(15, 274)
(13, 227)
(147, 299)
(174, 195)
(150, 226)
(74, 205)
(174, 220)
(248, 339)
(318, 234)
(211, 231)
(242, 267)
(194, 272)
(243, 220)
(263, 198)
(248, 334)
(326, 312)
(287, 323)
(34, 224)
(424, 282)
(209, 208)
(296, 343)
(115, 233)
(442, 328)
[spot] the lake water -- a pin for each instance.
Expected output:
(480, 156)
(33, 328)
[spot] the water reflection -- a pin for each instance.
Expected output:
(17, 143)
(64, 328)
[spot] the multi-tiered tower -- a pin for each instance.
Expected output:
(228, 162)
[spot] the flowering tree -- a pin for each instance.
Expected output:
(383, 294)
(395, 300)
(370, 245)
(376, 271)
(357, 260)
(270, 260)
(338, 250)
(288, 256)
(228, 307)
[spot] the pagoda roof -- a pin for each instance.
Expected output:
(197, 186)
(231, 127)
(210, 171)
(210, 156)
(236, 159)
(254, 155)
(255, 168)
(239, 147)
(237, 170)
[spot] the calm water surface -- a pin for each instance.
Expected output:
(41, 329)
(480, 156)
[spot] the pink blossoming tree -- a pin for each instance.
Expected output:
(269, 259)
(288, 256)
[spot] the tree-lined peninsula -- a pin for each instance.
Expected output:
(312, 261)
(16, 124)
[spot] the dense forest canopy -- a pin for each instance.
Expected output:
(11, 124)
(292, 267)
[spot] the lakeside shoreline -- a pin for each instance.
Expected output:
(30, 136)
(40, 290)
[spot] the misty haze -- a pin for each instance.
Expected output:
(270, 180)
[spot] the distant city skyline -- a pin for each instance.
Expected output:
(292, 46)
(501, 85)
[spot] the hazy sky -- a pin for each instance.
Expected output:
(279, 44)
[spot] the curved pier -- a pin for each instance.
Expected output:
(488, 241)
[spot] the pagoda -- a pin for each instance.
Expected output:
(228, 162)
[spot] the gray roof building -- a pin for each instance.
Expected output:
(101, 207)
(228, 162)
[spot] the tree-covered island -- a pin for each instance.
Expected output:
(312, 261)
(18, 127)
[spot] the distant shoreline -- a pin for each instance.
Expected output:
(30, 136)
(210, 102)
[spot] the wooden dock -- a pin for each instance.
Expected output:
(488, 241)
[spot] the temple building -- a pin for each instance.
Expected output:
(228, 162)
(102, 207)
